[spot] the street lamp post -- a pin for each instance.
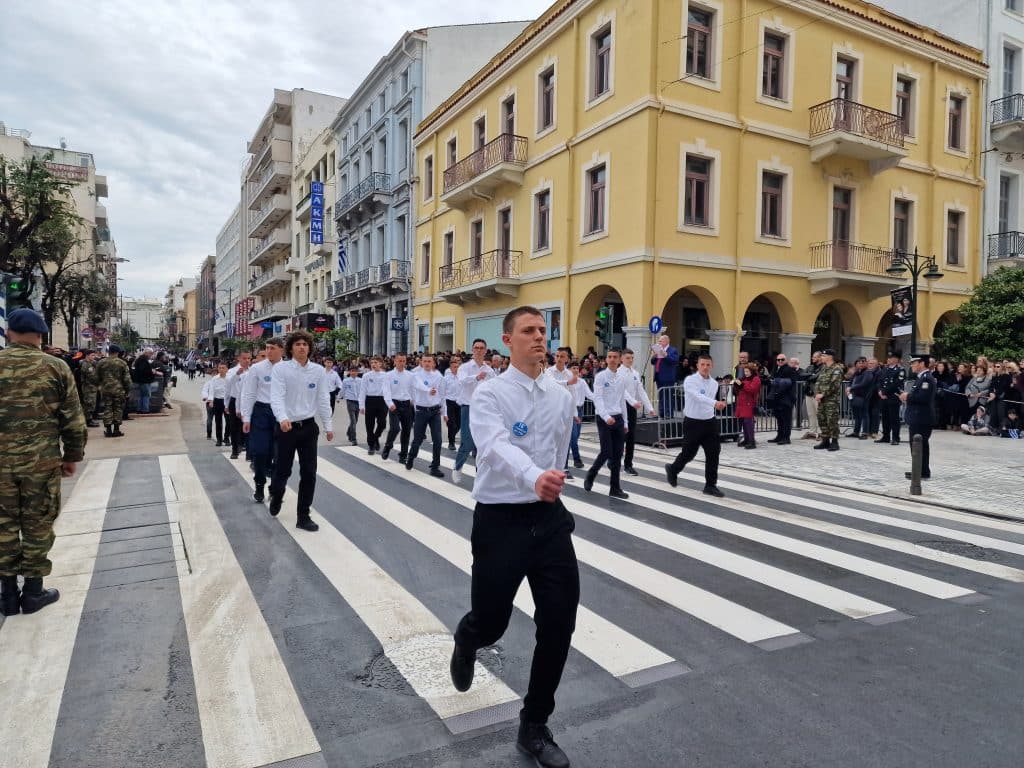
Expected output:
(230, 291)
(919, 266)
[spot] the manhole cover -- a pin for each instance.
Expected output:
(428, 657)
(963, 549)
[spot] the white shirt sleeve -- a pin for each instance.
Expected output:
(493, 445)
(600, 407)
(362, 391)
(323, 405)
(388, 400)
(278, 388)
(648, 406)
(206, 391)
(248, 397)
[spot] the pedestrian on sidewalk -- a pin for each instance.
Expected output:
(521, 529)
(810, 380)
(90, 387)
(428, 386)
(890, 387)
(700, 426)
(258, 417)
(611, 403)
(748, 388)
(42, 439)
(782, 396)
(115, 384)
(298, 397)
(142, 374)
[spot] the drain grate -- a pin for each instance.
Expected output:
(962, 548)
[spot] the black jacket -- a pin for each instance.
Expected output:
(921, 401)
(143, 371)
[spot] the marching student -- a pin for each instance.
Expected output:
(398, 396)
(700, 426)
(581, 392)
(565, 376)
(635, 389)
(521, 529)
(233, 398)
(428, 386)
(298, 396)
(258, 417)
(213, 395)
(611, 403)
(350, 387)
(452, 388)
(333, 380)
(471, 373)
(371, 403)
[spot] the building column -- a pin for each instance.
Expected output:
(859, 346)
(722, 351)
(798, 345)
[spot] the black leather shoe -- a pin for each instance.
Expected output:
(895, 442)
(306, 524)
(10, 596)
(671, 475)
(451, 446)
(353, 442)
(91, 423)
(630, 471)
(234, 455)
(825, 443)
(385, 453)
(773, 440)
(35, 598)
(117, 431)
(882, 440)
(434, 472)
(578, 465)
(712, 490)
(618, 493)
(834, 445)
(535, 740)
(782, 442)
(910, 476)
(462, 668)
(275, 504)
(370, 451)
(409, 463)
(258, 494)
(588, 482)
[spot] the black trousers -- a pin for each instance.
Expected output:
(613, 440)
(925, 431)
(300, 439)
(427, 416)
(218, 418)
(239, 439)
(532, 541)
(334, 399)
(400, 421)
(454, 420)
(627, 458)
(262, 442)
(376, 419)
(890, 418)
(697, 434)
(784, 421)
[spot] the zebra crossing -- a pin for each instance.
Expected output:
(285, 648)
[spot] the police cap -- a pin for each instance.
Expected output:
(923, 359)
(26, 321)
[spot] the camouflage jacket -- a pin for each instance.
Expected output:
(90, 377)
(39, 410)
(114, 378)
(830, 382)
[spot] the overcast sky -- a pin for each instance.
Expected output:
(165, 95)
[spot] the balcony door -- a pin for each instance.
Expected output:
(842, 217)
(504, 241)
(846, 71)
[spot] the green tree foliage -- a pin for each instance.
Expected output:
(991, 323)
(339, 342)
(127, 337)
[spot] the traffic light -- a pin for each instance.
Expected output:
(601, 324)
(18, 291)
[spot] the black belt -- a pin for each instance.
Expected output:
(428, 408)
(261, 404)
(403, 403)
(303, 422)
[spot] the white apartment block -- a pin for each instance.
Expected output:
(174, 306)
(291, 123)
(144, 315)
(228, 269)
(997, 28)
(377, 170)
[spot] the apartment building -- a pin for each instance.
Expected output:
(144, 315)
(95, 250)
(312, 263)
(228, 268)
(206, 297)
(175, 315)
(659, 159)
(374, 210)
(291, 122)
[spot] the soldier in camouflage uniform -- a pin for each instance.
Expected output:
(827, 391)
(39, 410)
(115, 384)
(90, 387)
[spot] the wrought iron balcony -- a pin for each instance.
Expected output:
(364, 196)
(270, 279)
(498, 162)
(269, 247)
(391, 276)
(839, 262)
(1006, 247)
(844, 128)
(1008, 122)
(483, 276)
(275, 179)
(271, 310)
(274, 208)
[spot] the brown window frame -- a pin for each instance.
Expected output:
(542, 217)
(546, 111)
(428, 177)
(901, 216)
(774, 67)
(698, 33)
(954, 224)
(697, 191)
(596, 198)
(773, 203)
(508, 115)
(602, 46)
(905, 103)
(955, 134)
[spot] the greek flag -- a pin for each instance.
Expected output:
(342, 256)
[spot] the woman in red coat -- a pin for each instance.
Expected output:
(747, 390)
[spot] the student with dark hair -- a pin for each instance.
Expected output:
(471, 373)
(700, 426)
(258, 417)
(611, 401)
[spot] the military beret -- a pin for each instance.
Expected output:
(114, 349)
(830, 352)
(26, 321)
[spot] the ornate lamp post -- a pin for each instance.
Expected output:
(919, 266)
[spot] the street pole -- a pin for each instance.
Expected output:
(918, 266)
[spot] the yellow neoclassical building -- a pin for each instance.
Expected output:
(743, 169)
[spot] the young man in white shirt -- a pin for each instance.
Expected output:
(563, 374)
(452, 388)
(233, 399)
(333, 380)
(581, 392)
(213, 395)
(635, 389)
(471, 373)
(398, 397)
(611, 402)
(371, 403)
(350, 387)
(258, 417)
(521, 529)
(700, 426)
(298, 397)
(428, 386)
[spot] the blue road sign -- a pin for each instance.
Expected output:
(654, 325)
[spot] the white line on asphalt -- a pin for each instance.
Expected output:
(37, 648)
(607, 645)
(249, 710)
(400, 622)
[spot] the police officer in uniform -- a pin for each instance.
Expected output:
(890, 387)
(920, 412)
(39, 413)
(828, 391)
(522, 422)
(115, 384)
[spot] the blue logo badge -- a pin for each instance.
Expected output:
(519, 429)
(606, 384)
(266, 378)
(426, 383)
(312, 385)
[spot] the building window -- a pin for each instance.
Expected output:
(774, 66)
(1005, 201)
(403, 145)
(771, 204)
(449, 253)
(542, 220)
(956, 123)
(698, 42)
(954, 229)
(901, 225)
(382, 155)
(453, 152)
(381, 101)
(405, 80)
(905, 103)
(476, 243)
(601, 61)
(846, 70)
(1009, 70)
(546, 100)
(1013, 5)
(508, 115)
(698, 192)
(425, 263)
(428, 177)
(596, 190)
(842, 214)
(480, 133)
(369, 117)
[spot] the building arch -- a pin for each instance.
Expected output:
(600, 296)
(766, 318)
(689, 313)
(836, 320)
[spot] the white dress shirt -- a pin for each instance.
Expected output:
(452, 385)
(215, 388)
(699, 397)
(610, 396)
(423, 382)
(372, 386)
(300, 392)
(581, 392)
(562, 377)
(467, 378)
(234, 383)
(397, 386)
(521, 427)
(255, 388)
(333, 380)
(350, 387)
(635, 387)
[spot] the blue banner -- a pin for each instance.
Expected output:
(316, 213)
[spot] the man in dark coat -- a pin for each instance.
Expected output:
(782, 396)
(665, 360)
(920, 409)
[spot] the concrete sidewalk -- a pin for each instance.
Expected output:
(145, 435)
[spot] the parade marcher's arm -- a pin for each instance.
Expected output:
(247, 398)
(278, 388)
(600, 407)
(388, 400)
(493, 445)
(323, 406)
(648, 405)
(362, 393)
